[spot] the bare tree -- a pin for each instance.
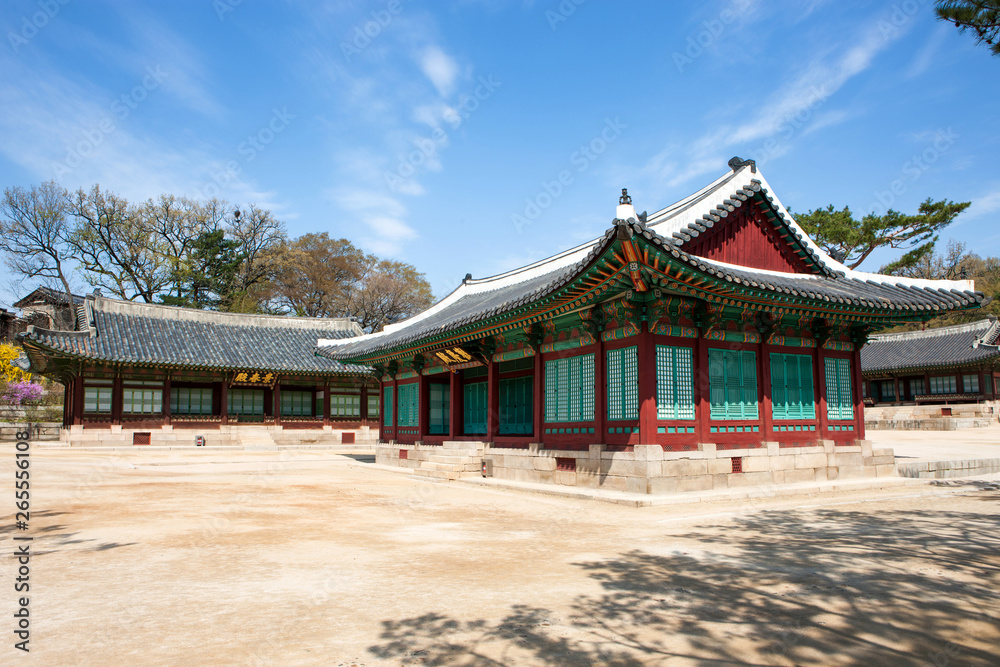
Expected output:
(34, 235)
(387, 292)
(260, 237)
(115, 246)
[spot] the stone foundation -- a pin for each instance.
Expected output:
(649, 469)
(236, 435)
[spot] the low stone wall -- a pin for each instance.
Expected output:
(226, 435)
(649, 469)
(945, 469)
(927, 424)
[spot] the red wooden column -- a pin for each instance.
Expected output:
(166, 399)
(455, 405)
(224, 403)
(859, 404)
(78, 401)
(537, 399)
(423, 406)
(646, 367)
(600, 392)
(766, 406)
(276, 402)
(703, 411)
(363, 409)
(895, 384)
(116, 400)
(821, 408)
(326, 404)
(492, 401)
(67, 404)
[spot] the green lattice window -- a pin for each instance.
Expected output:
(475, 408)
(516, 413)
(439, 405)
(97, 396)
(246, 401)
(839, 398)
(408, 405)
(136, 400)
(944, 384)
(296, 403)
(792, 394)
(387, 406)
(345, 405)
(970, 384)
(569, 389)
(190, 401)
(623, 383)
(732, 384)
(674, 383)
(373, 406)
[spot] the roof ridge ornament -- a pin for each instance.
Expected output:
(625, 209)
(736, 163)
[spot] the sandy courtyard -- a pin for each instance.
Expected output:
(288, 558)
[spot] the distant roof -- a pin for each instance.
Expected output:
(669, 229)
(152, 334)
(942, 347)
(46, 295)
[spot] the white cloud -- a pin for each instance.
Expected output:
(983, 205)
(926, 56)
(440, 68)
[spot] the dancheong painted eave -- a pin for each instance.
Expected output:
(599, 271)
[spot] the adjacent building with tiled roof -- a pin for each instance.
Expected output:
(956, 364)
(145, 366)
(715, 324)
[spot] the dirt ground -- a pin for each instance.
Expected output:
(295, 558)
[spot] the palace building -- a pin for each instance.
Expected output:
(137, 373)
(709, 344)
(944, 366)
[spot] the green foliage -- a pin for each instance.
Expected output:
(956, 264)
(207, 276)
(843, 236)
(979, 16)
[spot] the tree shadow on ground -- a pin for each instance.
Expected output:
(777, 587)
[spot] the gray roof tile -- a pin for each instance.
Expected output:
(138, 333)
(946, 346)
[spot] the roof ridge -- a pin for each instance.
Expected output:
(968, 327)
(134, 308)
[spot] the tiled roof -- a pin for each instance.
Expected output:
(947, 346)
(47, 295)
(480, 299)
(150, 334)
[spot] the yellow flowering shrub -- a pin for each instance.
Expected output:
(8, 371)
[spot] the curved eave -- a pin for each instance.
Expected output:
(45, 352)
(699, 278)
(982, 363)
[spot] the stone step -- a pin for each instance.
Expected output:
(471, 466)
(436, 474)
(461, 444)
(445, 458)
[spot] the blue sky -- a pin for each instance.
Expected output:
(436, 132)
